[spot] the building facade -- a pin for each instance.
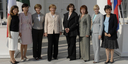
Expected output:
(61, 6)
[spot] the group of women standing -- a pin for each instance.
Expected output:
(32, 28)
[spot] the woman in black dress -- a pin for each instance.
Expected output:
(13, 32)
(70, 30)
(109, 33)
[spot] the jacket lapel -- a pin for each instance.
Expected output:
(109, 18)
(52, 16)
(72, 15)
(95, 17)
(82, 17)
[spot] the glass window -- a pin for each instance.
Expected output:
(1, 9)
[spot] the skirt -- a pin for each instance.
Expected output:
(26, 37)
(110, 44)
(13, 42)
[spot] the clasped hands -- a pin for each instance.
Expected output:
(67, 30)
(109, 35)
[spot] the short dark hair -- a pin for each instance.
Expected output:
(84, 7)
(24, 5)
(70, 6)
(107, 7)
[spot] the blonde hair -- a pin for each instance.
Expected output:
(37, 6)
(52, 6)
(95, 7)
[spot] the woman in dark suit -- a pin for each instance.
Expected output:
(109, 33)
(70, 30)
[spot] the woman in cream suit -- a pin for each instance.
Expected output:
(84, 33)
(97, 28)
(53, 28)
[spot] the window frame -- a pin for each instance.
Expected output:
(3, 10)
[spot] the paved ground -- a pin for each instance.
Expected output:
(63, 54)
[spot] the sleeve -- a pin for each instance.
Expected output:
(115, 25)
(46, 24)
(64, 21)
(60, 24)
(43, 21)
(31, 20)
(74, 25)
(20, 22)
(101, 25)
(88, 25)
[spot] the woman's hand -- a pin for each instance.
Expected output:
(43, 34)
(9, 35)
(106, 34)
(109, 35)
(46, 34)
(87, 36)
(67, 30)
(99, 37)
(60, 33)
(20, 34)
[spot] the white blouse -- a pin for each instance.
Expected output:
(39, 17)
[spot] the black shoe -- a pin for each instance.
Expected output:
(39, 57)
(49, 60)
(107, 62)
(72, 59)
(86, 60)
(111, 62)
(55, 58)
(16, 62)
(67, 57)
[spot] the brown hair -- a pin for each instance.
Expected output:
(84, 7)
(70, 6)
(12, 8)
(52, 6)
(37, 6)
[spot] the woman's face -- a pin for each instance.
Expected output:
(71, 9)
(83, 11)
(96, 11)
(25, 9)
(52, 9)
(38, 10)
(108, 11)
(15, 11)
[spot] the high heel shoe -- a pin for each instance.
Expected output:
(112, 62)
(16, 62)
(13, 63)
(107, 62)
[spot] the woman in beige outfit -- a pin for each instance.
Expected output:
(53, 28)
